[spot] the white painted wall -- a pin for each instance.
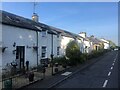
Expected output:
(64, 41)
(22, 37)
(81, 45)
(47, 41)
(106, 43)
(106, 46)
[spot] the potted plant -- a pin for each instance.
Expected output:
(31, 76)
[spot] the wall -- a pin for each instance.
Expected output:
(64, 41)
(22, 37)
(47, 41)
(81, 45)
(106, 46)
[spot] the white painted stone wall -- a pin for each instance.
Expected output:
(64, 41)
(106, 44)
(47, 41)
(22, 37)
(87, 43)
(80, 43)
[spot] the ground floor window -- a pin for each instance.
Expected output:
(58, 50)
(43, 51)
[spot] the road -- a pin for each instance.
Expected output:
(102, 74)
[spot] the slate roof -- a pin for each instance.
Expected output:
(66, 33)
(104, 40)
(18, 21)
(94, 40)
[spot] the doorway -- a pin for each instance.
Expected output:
(20, 56)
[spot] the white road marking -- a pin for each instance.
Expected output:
(113, 61)
(113, 64)
(66, 73)
(109, 73)
(111, 68)
(105, 83)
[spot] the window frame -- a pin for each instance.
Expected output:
(44, 33)
(43, 51)
(58, 50)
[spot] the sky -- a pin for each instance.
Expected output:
(95, 18)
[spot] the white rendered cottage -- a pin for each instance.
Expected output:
(87, 44)
(106, 43)
(19, 40)
(26, 40)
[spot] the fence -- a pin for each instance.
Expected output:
(20, 80)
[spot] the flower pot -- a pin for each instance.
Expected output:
(31, 77)
(64, 66)
(56, 69)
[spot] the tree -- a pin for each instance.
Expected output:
(112, 45)
(73, 52)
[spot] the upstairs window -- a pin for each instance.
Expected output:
(44, 33)
(58, 36)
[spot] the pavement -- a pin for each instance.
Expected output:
(53, 81)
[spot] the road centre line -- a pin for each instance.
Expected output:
(113, 64)
(111, 68)
(105, 83)
(109, 73)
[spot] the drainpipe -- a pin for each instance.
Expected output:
(37, 46)
(52, 52)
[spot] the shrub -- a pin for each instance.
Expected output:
(73, 52)
(83, 57)
(60, 60)
(95, 53)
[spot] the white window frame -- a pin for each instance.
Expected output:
(43, 51)
(44, 33)
(58, 50)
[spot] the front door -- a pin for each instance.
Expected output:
(20, 56)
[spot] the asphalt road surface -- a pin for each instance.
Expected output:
(102, 74)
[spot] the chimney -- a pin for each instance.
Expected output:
(35, 17)
(82, 34)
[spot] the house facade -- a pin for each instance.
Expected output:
(28, 40)
(106, 43)
(87, 44)
(96, 43)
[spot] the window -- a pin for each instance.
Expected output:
(58, 36)
(58, 50)
(43, 51)
(44, 33)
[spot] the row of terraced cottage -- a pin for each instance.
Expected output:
(29, 40)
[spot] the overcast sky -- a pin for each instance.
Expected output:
(95, 18)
